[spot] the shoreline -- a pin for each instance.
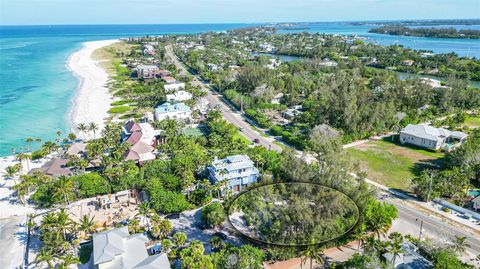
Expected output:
(92, 98)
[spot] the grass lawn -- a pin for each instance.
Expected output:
(472, 122)
(394, 165)
(242, 138)
(111, 56)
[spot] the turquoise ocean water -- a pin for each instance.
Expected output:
(36, 87)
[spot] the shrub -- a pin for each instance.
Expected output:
(213, 214)
(91, 184)
(38, 154)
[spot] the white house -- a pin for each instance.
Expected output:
(179, 96)
(117, 249)
(238, 170)
(174, 87)
(429, 137)
(168, 110)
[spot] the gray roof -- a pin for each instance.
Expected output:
(429, 132)
(158, 261)
(234, 162)
(123, 251)
(409, 259)
(108, 244)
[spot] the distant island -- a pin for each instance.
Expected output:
(426, 32)
(422, 22)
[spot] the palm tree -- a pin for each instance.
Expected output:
(371, 245)
(72, 137)
(82, 128)
(144, 210)
(24, 156)
(45, 257)
(64, 224)
(460, 244)
(11, 171)
(92, 126)
(312, 253)
(68, 259)
(396, 249)
(134, 226)
(87, 225)
(63, 187)
(59, 134)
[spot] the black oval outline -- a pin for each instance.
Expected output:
(290, 245)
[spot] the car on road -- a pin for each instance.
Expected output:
(221, 235)
(173, 216)
(256, 141)
(240, 129)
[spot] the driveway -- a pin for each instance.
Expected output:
(186, 223)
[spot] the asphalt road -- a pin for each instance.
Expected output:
(433, 225)
(406, 214)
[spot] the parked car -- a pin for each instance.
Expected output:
(240, 129)
(256, 141)
(173, 216)
(221, 235)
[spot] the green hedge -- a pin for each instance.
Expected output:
(119, 109)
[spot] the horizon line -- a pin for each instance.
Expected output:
(219, 23)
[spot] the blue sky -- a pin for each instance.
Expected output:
(218, 11)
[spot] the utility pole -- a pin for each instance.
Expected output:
(421, 227)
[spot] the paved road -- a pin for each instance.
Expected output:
(406, 214)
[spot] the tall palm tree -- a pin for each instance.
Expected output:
(460, 244)
(82, 128)
(92, 126)
(64, 223)
(63, 187)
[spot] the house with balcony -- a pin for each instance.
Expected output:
(178, 111)
(147, 71)
(429, 137)
(238, 170)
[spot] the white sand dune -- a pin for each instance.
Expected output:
(92, 100)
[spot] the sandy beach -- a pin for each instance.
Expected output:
(92, 99)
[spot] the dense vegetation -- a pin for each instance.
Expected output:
(426, 32)
(294, 213)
